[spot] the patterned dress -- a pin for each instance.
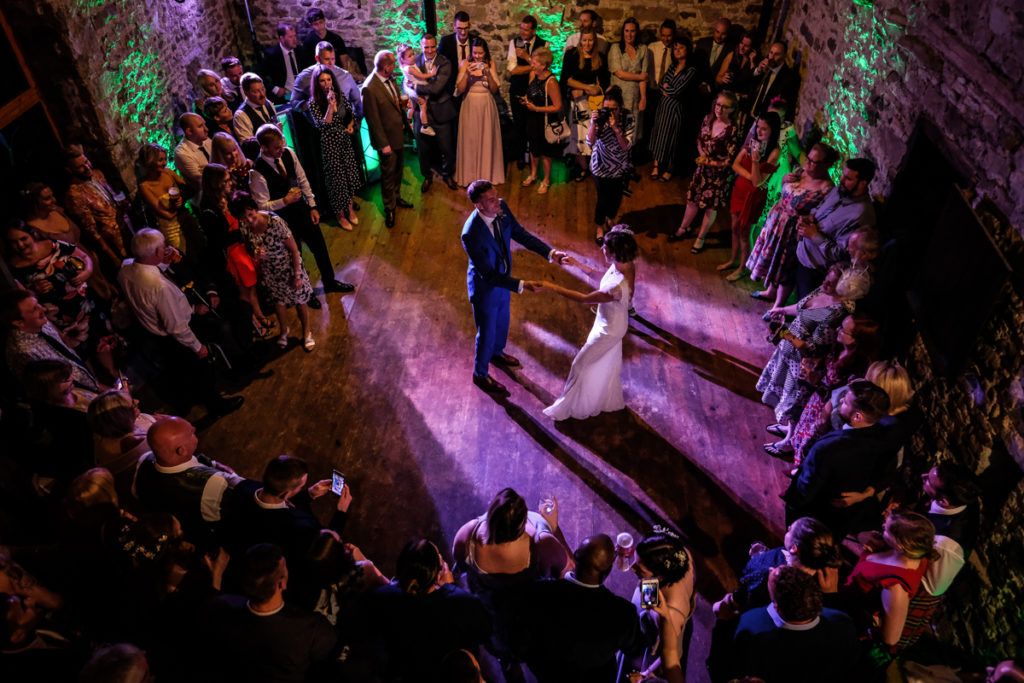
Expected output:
(676, 89)
(813, 420)
(618, 60)
(710, 187)
(66, 304)
(780, 384)
(773, 257)
(274, 264)
(340, 167)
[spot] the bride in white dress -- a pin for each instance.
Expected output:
(595, 380)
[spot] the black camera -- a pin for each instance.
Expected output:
(776, 328)
(604, 113)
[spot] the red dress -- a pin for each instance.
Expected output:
(240, 263)
(748, 201)
(869, 578)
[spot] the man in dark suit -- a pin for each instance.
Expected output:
(773, 78)
(849, 459)
(385, 120)
(455, 48)
(518, 66)
(570, 629)
(258, 636)
(436, 151)
(485, 237)
(795, 639)
(280, 65)
(713, 50)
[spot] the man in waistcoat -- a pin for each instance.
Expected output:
(255, 110)
(518, 66)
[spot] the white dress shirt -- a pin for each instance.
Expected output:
(661, 57)
(290, 58)
(512, 61)
(243, 126)
(190, 161)
(348, 86)
(261, 193)
(213, 491)
(159, 305)
(940, 574)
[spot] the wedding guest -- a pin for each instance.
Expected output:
(677, 86)
(609, 139)
(228, 153)
(334, 119)
(628, 64)
(230, 82)
(218, 115)
(39, 209)
(753, 167)
(119, 436)
(583, 80)
(163, 192)
(479, 151)
(518, 65)
(595, 383)
(255, 110)
(543, 102)
(709, 188)
(737, 69)
(96, 207)
(193, 152)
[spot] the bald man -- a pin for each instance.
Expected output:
(713, 49)
(193, 152)
(173, 478)
(572, 628)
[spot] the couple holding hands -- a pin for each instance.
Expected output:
(594, 384)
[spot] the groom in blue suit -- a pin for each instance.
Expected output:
(486, 238)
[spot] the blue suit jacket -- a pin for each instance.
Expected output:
(490, 260)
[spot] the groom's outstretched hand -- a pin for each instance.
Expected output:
(532, 285)
(570, 261)
(559, 257)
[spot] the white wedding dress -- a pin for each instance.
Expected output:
(594, 385)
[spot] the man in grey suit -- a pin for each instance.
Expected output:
(385, 120)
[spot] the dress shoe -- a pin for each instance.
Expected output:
(506, 361)
(338, 286)
(314, 303)
(427, 182)
(491, 385)
(389, 218)
(226, 404)
(402, 204)
(450, 182)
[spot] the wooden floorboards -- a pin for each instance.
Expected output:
(386, 396)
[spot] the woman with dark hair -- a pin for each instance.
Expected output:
(773, 258)
(282, 277)
(609, 140)
(662, 555)
(584, 79)
(808, 545)
(753, 167)
(333, 577)
(594, 384)
(218, 116)
(479, 152)
(710, 188)
(334, 118)
(40, 210)
(628, 64)
(677, 87)
(225, 235)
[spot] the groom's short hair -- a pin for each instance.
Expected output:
(477, 189)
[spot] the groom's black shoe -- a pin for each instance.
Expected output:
(491, 385)
(506, 361)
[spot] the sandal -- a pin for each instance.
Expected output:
(698, 246)
(309, 343)
(528, 181)
(762, 296)
(776, 430)
(655, 173)
(773, 450)
(282, 341)
(665, 177)
(543, 187)
(735, 275)
(725, 266)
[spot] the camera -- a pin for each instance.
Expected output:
(605, 113)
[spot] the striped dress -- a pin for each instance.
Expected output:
(668, 120)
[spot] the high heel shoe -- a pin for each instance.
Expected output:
(309, 343)
(698, 246)
(679, 235)
(282, 341)
(352, 218)
(344, 224)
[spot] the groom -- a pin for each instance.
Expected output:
(485, 237)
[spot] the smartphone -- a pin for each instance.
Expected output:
(648, 593)
(337, 482)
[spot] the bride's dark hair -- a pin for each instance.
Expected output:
(621, 243)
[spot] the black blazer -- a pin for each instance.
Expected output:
(448, 47)
(441, 107)
(703, 50)
(785, 85)
(273, 72)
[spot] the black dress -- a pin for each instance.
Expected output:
(341, 170)
(539, 146)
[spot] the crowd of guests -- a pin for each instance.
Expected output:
(188, 570)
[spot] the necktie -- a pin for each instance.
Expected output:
(394, 91)
(264, 114)
(205, 153)
(756, 107)
(664, 66)
(281, 168)
(291, 59)
(462, 53)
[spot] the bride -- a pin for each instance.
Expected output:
(595, 383)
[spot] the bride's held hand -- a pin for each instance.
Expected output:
(533, 286)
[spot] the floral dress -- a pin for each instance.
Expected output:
(813, 420)
(773, 257)
(274, 264)
(780, 383)
(340, 167)
(65, 303)
(710, 187)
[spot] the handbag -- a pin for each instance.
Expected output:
(555, 132)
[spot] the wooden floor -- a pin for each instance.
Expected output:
(386, 396)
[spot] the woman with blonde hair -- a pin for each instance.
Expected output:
(228, 153)
(119, 435)
(163, 193)
(584, 79)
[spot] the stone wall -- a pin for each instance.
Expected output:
(134, 65)
(870, 71)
